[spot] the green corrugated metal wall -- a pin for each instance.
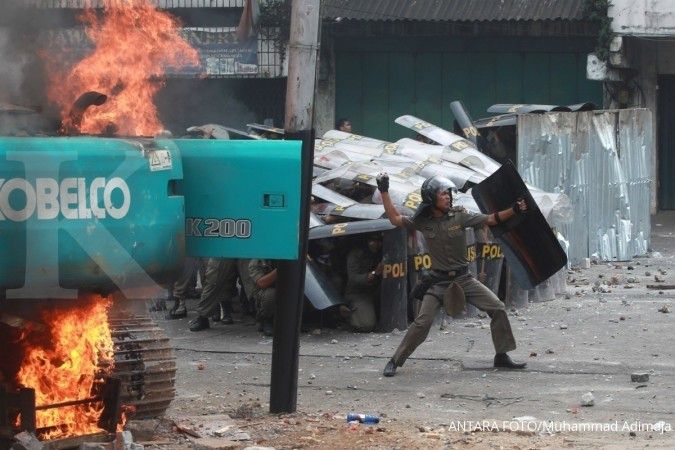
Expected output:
(379, 80)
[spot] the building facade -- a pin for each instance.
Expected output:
(640, 72)
(381, 60)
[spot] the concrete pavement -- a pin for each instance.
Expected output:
(588, 342)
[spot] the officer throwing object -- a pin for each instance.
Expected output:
(450, 282)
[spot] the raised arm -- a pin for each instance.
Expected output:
(493, 219)
(390, 210)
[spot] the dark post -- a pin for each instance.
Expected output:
(290, 296)
(303, 50)
(394, 293)
(26, 403)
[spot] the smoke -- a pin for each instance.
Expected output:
(36, 40)
(11, 68)
(22, 69)
(188, 102)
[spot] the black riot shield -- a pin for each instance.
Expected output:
(394, 287)
(528, 243)
(319, 289)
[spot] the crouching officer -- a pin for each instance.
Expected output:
(443, 228)
(364, 270)
(263, 272)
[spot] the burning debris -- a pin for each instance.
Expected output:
(134, 43)
(63, 364)
(84, 101)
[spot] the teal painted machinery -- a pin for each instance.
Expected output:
(101, 215)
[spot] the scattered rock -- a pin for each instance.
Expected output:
(664, 309)
(630, 268)
(97, 446)
(333, 341)
(201, 366)
(420, 395)
(587, 399)
(143, 430)
(639, 377)
(533, 354)
(549, 351)
(329, 392)
(312, 376)
(27, 441)
(658, 279)
(563, 326)
(648, 274)
(259, 448)
(524, 433)
(209, 443)
(632, 434)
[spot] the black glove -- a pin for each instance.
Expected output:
(516, 209)
(382, 182)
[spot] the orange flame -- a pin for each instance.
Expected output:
(69, 368)
(134, 43)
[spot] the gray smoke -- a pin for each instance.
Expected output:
(22, 70)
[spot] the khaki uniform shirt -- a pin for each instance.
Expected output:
(445, 236)
(360, 263)
(258, 268)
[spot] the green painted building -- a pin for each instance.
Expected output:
(385, 59)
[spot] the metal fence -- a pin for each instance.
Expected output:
(602, 160)
(78, 4)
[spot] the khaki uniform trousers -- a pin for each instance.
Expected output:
(363, 318)
(265, 303)
(183, 284)
(220, 284)
(475, 293)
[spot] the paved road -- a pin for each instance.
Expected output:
(589, 342)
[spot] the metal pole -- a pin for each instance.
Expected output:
(302, 58)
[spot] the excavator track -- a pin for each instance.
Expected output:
(145, 363)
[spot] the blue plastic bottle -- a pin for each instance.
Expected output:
(362, 418)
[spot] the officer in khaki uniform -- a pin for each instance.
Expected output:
(263, 272)
(364, 269)
(220, 285)
(450, 282)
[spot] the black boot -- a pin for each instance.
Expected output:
(390, 369)
(199, 324)
(226, 313)
(178, 311)
(268, 328)
(218, 313)
(505, 361)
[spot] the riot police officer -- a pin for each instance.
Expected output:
(443, 228)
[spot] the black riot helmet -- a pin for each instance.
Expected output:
(429, 189)
(434, 184)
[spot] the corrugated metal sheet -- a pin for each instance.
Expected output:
(602, 161)
(453, 10)
(79, 4)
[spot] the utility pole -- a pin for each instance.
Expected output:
(303, 48)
